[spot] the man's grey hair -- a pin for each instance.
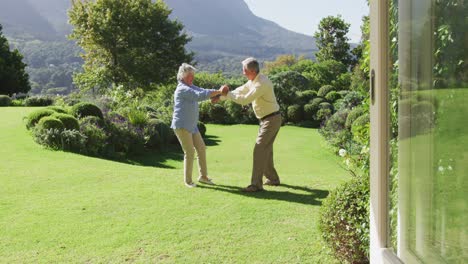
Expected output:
(184, 70)
(251, 64)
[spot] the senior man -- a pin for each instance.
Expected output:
(259, 91)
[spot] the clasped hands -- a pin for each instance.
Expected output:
(223, 91)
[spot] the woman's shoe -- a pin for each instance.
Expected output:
(206, 181)
(191, 185)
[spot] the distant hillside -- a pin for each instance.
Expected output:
(21, 19)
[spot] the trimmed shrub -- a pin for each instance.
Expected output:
(344, 221)
(17, 102)
(235, 111)
(204, 110)
(338, 104)
(165, 131)
(295, 113)
(83, 109)
(35, 116)
(69, 121)
(38, 101)
(324, 90)
(323, 114)
(95, 139)
(332, 96)
(337, 121)
(343, 93)
(309, 111)
(5, 100)
(152, 138)
(92, 120)
(49, 122)
(201, 128)
(218, 114)
(305, 96)
(326, 105)
(50, 138)
(352, 99)
(58, 109)
(353, 115)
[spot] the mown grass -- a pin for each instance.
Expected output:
(64, 207)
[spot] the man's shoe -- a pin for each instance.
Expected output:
(271, 183)
(252, 188)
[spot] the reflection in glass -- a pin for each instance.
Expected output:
(433, 132)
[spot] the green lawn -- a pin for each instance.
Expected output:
(64, 207)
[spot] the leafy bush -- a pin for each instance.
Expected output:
(352, 99)
(5, 100)
(49, 122)
(201, 128)
(95, 139)
(235, 111)
(305, 96)
(337, 121)
(326, 105)
(338, 104)
(38, 101)
(324, 90)
(332, 96)
(73, 140)
(353, 115)
(344, 221)
(218, 114)
(58, 109)
(204, 110)
(309, 111)
(69, 121)
(35, 116)
(50, 138)
(295, 113)
(360, 128)
(83, 109)
(152, 138)
(323, 114)
(92, 120)
(286, 84)
(17, 102)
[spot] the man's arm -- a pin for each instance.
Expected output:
(246, 98)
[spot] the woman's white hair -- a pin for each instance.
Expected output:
(184, 70)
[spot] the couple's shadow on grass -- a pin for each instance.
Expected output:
(308, 196)
(172, 152)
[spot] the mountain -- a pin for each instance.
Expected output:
(20, 18)
(227, 30)
(223, 31)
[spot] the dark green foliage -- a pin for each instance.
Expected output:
(235, 111)
(332, 96)
(92, 120)
(69, 121)
(286, 85)
(13, 76)
(295, 113)
(35, 116)
(305, 96)
(49, 122)
(38, 101)
(323, 114)
(309, 111)
(204, 110)
(5, 100)
(361, 126)
(95, 139)
(67, 140)
(353, 115)
(344, 221)
(201, 128)
(218, 114)
(165, 131)
(326, 105)
(58, 109)
(325, 72)
(324, 90)
(352, 99)
(83, 109)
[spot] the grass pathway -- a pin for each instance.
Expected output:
(64, 207)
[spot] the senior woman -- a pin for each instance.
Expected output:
(185, 119)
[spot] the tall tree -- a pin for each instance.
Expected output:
(13, 76)
(332, 41)
(131, 43)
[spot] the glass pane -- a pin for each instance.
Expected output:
(433, 131)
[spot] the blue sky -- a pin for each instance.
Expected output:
(303, 16)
